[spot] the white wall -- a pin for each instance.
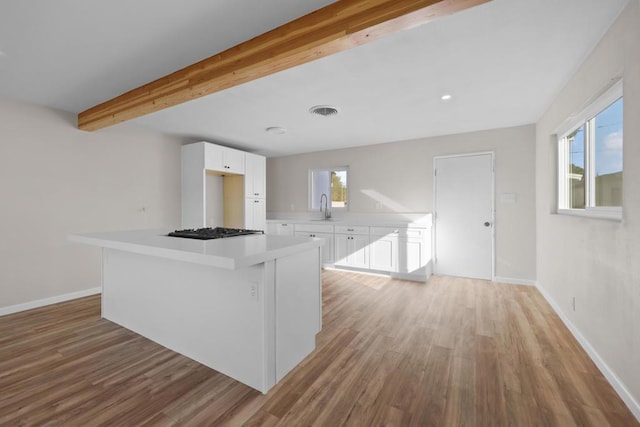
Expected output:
(399, 178)
(56, 180)
(597, 261)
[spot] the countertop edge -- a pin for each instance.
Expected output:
(231, 263)
(348, 222)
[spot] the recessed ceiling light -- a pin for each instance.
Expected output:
(276, 130)
(446, 97)
(323, 110)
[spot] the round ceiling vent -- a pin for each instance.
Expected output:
(324, 110)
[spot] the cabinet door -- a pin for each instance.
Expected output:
(255, 176)
(359, 248)
(352, 250)
(412, 256)
(326, 249)
(260, 214)
(223, 159)
(255, 217)
(341, 249)
(214, 157)
(233, 161)
(383, 252)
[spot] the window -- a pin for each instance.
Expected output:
(590, 159)
(333, 183)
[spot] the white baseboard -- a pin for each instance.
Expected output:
(412, 277)
(401, 276)
(48, 301)
(616, 383)
(513, 281)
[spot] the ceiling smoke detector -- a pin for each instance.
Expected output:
(324, 110)
(276, 130)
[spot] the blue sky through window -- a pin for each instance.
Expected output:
(608, 139)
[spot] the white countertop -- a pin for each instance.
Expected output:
(422, 220)
(231, 253)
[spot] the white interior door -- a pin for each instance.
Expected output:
(464, 215)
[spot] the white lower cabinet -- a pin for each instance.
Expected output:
(383, 253)
(403, 252)
(321, 231)
(352, 246)
(415, 256)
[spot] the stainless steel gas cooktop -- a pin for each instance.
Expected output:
(212, 233)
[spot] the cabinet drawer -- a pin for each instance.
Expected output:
(386, 231)
(352, 229)
(415, 232)
(398, 231)
(314, 228)
(283, 229)
(281, 223)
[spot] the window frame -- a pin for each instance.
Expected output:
(310, 202)
(585, 118)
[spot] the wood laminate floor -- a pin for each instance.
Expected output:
(452, 352)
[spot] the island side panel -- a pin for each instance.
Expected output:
(298, 294)
(208, 314)
(269, 295)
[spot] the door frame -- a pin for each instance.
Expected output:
(493, 207)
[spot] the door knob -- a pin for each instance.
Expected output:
(487, 224)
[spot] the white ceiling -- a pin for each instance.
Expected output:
(503, 62)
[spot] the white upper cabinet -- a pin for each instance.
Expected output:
(255, 176)
(223, 159)
(214, 187)
(254, 191)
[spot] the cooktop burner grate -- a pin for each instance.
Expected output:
(209, 233)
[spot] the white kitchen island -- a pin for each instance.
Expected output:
(246, 306)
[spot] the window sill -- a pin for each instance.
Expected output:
(611, 214)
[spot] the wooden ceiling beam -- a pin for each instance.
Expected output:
(334, 28)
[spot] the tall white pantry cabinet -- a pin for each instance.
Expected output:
(255, 210)
(222, 187)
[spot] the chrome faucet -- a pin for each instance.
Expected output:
(327, 212)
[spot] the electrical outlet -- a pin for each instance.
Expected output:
(253, 291)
